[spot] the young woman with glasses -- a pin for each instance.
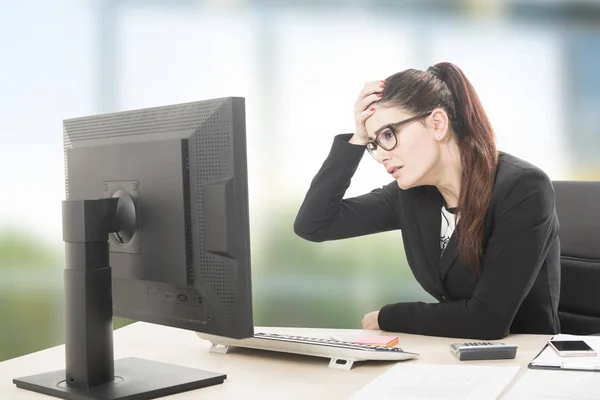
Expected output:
(479, 225)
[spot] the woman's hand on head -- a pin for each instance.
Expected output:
(363, 109)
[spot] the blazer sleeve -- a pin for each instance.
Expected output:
(326, 215)
(525, 227)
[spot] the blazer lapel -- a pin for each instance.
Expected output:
(428, 205)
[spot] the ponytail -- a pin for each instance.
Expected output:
(479, 159)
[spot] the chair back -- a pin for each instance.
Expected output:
(578, 210)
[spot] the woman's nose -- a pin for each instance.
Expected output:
(381, 155)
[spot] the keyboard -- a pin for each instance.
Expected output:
(342, 354)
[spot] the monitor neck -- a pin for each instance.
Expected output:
(88, 291)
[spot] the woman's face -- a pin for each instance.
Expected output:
(412, 161)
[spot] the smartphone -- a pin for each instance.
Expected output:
(571, 348)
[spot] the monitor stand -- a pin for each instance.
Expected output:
(91, 372)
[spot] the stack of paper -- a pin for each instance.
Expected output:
(377, 340)
(409, 381)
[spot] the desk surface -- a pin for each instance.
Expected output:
(253, 373)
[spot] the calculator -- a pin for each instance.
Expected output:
(483, 351)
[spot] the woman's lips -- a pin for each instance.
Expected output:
(393, 170)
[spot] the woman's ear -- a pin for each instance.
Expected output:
(440, 124)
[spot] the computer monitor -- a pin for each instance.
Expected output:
(156, 229)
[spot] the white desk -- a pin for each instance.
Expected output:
(253, 374)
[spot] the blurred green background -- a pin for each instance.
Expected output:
(300, 66)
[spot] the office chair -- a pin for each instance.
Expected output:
(578, 209)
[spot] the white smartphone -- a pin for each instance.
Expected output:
(572, 348)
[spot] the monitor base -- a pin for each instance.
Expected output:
(135, 379)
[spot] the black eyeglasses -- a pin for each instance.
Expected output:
(387, 136)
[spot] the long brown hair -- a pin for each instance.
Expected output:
(445, 86)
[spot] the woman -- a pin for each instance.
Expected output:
(479, 226)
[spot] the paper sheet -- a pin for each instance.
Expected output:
(556, 385)
(409, 381)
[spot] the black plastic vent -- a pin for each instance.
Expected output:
(212, 152)
(66, 145)
(183, 117)
(179, 120)
(189, 241)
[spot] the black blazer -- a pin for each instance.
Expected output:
(519, 286)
